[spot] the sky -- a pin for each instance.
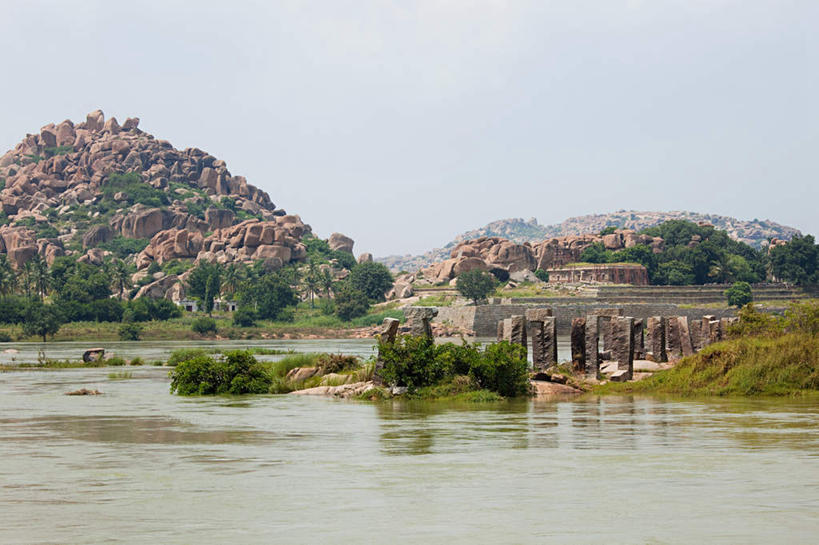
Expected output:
(405, 123)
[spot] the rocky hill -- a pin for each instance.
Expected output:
(755, 232)
(100, 187)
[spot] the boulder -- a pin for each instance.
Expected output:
(219, 218)
(366, 257)
(340, 242)
(95, 120)
(97, 235)
(93, 354)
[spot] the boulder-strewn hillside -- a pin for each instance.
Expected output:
(755, 232)
(100, 186)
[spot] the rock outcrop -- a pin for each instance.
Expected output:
(186, 202)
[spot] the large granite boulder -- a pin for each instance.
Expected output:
(341, 242)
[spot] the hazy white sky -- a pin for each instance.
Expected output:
(404, 123)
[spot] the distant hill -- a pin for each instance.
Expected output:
(753, 232)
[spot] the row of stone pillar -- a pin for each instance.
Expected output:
(541, 326)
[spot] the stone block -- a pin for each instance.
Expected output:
(620, 376)
(685, 336)
(538, 314)
(418, 320)
(550, 341)
(622, 332)
(639, 343)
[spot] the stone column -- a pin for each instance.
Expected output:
(606, 315)
(695, 327)
(623, 341)
(685, 336)
(536, 319)
(418, 320)
(592, 346)
(550, 340)
(517, 330)
(714, 332)
(579, 345)
(672, 337)
(501, 329)
(655, 337)
(639, 344)
(389, 329)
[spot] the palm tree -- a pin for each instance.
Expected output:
(42, 278)
(8, 279)
(312, 281)
(27, 278)
(326, 281)
(232, 279)
(121, 276)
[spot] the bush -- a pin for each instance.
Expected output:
(416, 362)
(237, 373)
(244, 317)
(542, 275)
(137, 361)
(130, 332)
(114, 361)
(184, 354)
(739, 294)
(335, 363)
(5, 337)
(350, 303)
(203, 325)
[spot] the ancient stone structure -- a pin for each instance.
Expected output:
(695, 328)
(592, 346)
(685, 336)
(543, 332)
(672, 337)
(633, 274)
(578, 340)
(655, 338)
(623, 344)
(639, 343)
(513, 330)
(418, 320)
(389, 330)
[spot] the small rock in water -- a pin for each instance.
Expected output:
(84, 392)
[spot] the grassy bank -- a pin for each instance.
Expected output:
(786, 365)
(308, 322)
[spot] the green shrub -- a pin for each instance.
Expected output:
(475, 285)
(114, 361)
(503, 369)
(237, 373)
(349, 302)
(411, 361)
(244, 317)
(335, 363)
(203, 325)
(137, 361)
(372, 279)
(542, 275)
(130, 332)
(739, 294)
(184, 354)
(5, 337)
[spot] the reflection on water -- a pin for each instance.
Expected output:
(138, 464)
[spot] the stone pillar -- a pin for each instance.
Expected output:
(623, 344)
(672, 337)
(536, 319)
(550, 340)
(639, 343)
(714, 332)
(418, 320)
(655, 337)
(685, 336)
(501, 329)
(606, 315)
(695, 327)
(389, 329)
(579, 345)
(592, 346)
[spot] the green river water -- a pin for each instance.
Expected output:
(138, 465)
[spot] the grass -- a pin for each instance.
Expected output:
(124, 375)
(786, 365)
(435, 301)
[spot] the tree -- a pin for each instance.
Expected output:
(42, 280)
(130, 332)
(371, 278)
(270, 295)
(312, 281)
(121, 276)
(204, 283)
(796, 261)
(232, 279)
(8, 279)
(739, 294)
(475, 285)
(41, 320)
(350, 302)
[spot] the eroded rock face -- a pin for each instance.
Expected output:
(97, 235)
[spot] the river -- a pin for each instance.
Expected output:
(138, 465)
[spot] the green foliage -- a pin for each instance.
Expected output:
(349, 302)
(739, 294)
(41, 320)
(184, 354)
(542, 275)
(114, 361)
(475, 285)
(416, 362)
(796, 261)
(270, 294)
(236, 373)
(608, 231)
(318, 250)
(58, 150)
(371, 278)
(203, 325)
(145, 309)
(244, 317)
(130, 332)
(136, 191)
(123, 247)
(204, 283)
